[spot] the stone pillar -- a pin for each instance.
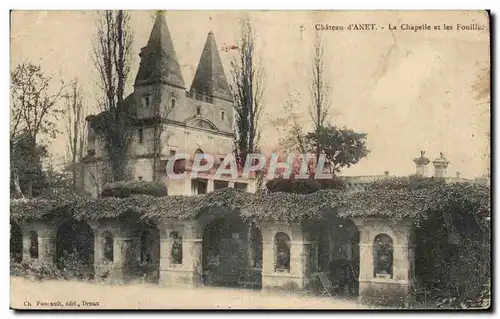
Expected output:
(192, 250)
(46, 232)
(188, 273)
(252, 186)
(403, 257)
(120, 268)
(297, 278)
(121, 258)
(365, 255)
(440, 166)
(421, 164)
(210, 185)
(164, 254)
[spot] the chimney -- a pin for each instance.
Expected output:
(421, 163)
(440, 165)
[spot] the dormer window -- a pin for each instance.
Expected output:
(146, 101)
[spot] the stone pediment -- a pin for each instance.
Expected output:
(201, 123)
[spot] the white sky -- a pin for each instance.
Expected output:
(409, 91)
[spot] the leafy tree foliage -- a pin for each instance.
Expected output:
(342, 147)
(27, 176)
(34, 112)
(248, 90)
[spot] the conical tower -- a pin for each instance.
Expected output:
(158, 58)
(210, 78)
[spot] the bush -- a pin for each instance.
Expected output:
(36, 271)
(134, 187)
(72, 266)
(304, 186)
(68, 267)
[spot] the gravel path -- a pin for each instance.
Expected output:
(26, 294)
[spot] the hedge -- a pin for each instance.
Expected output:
(134, 187)
(304, 186)
(395, 199)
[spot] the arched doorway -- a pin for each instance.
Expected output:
(75, 249)
(16, 243)
(149, 267)
(344, 267)
(231, 253)
(335, 251)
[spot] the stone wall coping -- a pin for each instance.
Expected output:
(293, 242)
(384, 281)
(281, 274)
(176, 269)
(45, 237)
(393, 246)
(194, 240)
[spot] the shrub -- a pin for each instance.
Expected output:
(72, 266)
(68, 267)
(304, 186)
(36, 271)
(134, 187)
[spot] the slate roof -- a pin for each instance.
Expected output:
(158, 58)
(210, 78)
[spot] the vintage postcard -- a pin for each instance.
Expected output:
(250, 160)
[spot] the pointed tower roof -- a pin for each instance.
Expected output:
(158, 58)
(210, 78)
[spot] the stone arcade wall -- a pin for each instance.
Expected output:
(127, 250)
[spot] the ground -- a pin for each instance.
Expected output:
(145, 296)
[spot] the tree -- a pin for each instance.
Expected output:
(76, 112)
(27, 177)
(293, 137)
(342, 147)
(248, 89)
(34, 113)
(112, 54)
(319, 90)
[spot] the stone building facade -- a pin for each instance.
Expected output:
(198, 120)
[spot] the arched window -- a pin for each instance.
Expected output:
(33, 245)
(176, 250)
(282, 251)
(198, 110)
(108, 246)
(382, 256)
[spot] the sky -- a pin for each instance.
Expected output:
(409, 91)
